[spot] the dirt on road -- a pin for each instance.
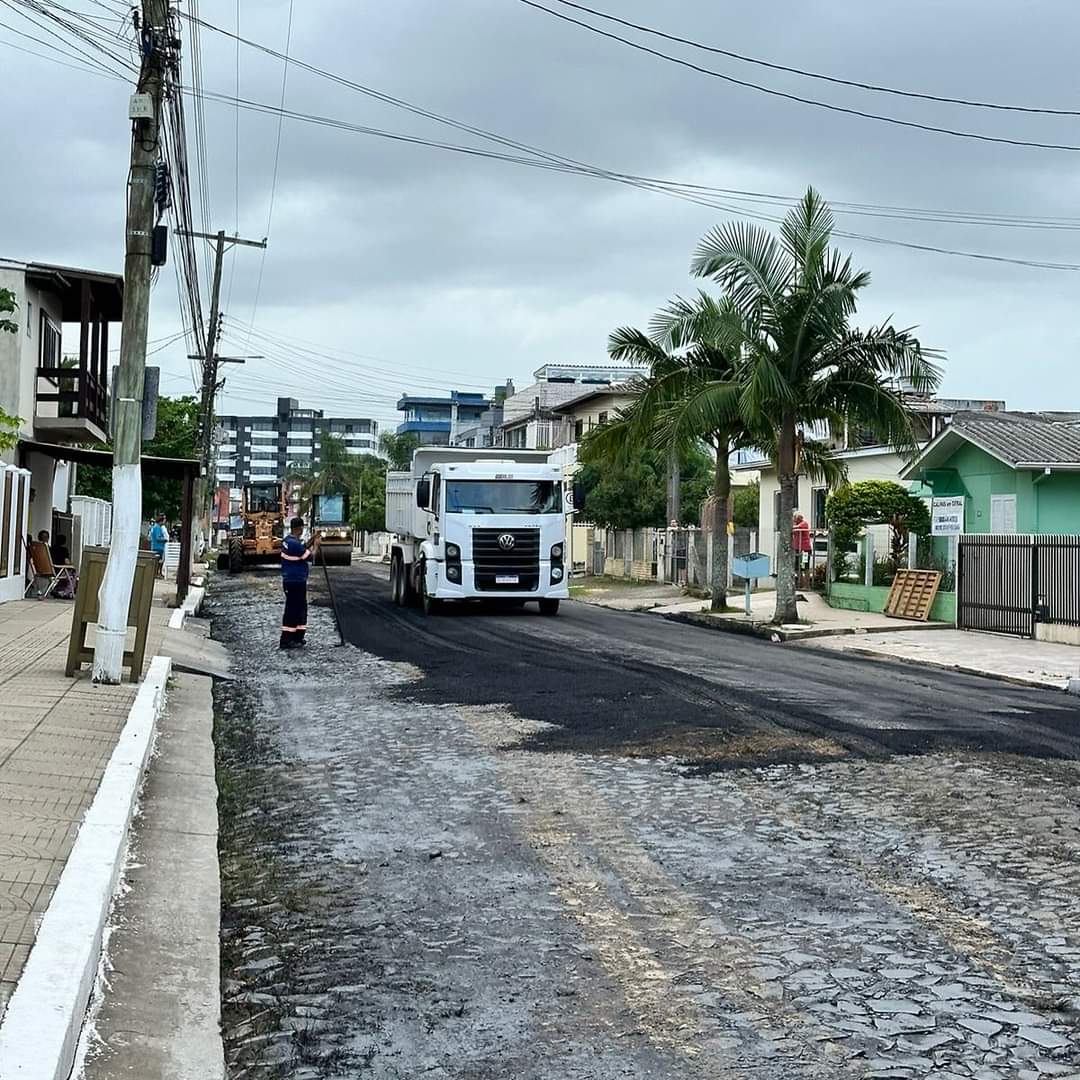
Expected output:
(629, 865)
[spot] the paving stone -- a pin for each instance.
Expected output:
(1048, 1040)
(979, 1026)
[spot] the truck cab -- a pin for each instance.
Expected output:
(478, 526)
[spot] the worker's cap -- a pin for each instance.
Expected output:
(296, 523)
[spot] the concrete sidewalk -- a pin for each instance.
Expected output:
(56, 737)
(1013, 659)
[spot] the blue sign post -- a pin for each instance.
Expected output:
(751, 566)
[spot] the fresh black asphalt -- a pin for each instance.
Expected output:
(637, 684)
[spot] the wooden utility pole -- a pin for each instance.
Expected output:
(145, 112)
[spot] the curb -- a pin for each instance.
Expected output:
(40, 1030)
(190, 606)
(770, 632)
(962, 669)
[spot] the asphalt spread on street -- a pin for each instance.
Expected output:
(639, 685)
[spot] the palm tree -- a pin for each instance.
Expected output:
(680, 404)
(338, 471)
(801, 362)
(399, 449)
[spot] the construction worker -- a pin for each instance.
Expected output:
(295, 563)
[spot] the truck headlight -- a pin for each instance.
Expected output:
(556, 551)
(556, 573)
(453, 573)
(453, 551)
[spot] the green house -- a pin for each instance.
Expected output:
(1018, 472)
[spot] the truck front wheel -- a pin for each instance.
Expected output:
(549, 606)
(430, 604)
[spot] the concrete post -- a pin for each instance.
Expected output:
(868, 555)
(730, 558)
(912, 551)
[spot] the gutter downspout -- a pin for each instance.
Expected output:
(1047, 471)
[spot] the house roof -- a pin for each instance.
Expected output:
(620, 389)
(106, 290)
(1021, 440)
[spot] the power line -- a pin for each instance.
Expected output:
(277, 159)
(829, 106)
(662, 187)
(772, 65)
(576, 164)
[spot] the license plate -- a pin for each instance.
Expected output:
(506, 579)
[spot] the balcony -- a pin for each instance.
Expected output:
(71, 397)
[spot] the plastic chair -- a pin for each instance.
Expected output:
(41, 561)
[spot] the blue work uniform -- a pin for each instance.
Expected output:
(295, 565)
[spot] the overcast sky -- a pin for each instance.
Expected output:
(420, 269)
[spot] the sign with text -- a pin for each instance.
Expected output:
(947, 515)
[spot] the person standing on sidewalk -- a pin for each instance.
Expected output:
(295, 564)
(159, 537)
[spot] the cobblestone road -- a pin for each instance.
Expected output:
(438, 889)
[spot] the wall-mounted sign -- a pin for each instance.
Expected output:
(947, 515)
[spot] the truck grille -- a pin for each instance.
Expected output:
(493, 558)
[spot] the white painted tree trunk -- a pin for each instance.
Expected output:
(114, 597)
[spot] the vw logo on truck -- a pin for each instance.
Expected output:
(506, 541)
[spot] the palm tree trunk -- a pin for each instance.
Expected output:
(721, 516)
(787, 610)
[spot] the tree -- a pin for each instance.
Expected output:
(177, 424)
(801, 362)
(9, 425)
(631, 493)
(688, 400)
(399, 448)
(876, 502)
(8, 306)
(746, 506)
(362, 476)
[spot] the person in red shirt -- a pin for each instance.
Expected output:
(800, 535)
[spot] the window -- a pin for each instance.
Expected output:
(817, 508)
(24, 483)
(1003, 513)
(5, 533)
(49, 346)
(29, 319)
(579, 430)
(602, 418)
(503, 497)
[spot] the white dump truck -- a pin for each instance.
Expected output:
(478, 525)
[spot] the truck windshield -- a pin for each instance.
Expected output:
(503, 497)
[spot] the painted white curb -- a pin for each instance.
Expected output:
(190, 606)
(40, 1030)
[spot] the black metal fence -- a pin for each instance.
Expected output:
(1007, 584)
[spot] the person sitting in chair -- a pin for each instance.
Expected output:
(61, 556)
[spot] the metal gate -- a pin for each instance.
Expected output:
(1007, 584)
(677, 551)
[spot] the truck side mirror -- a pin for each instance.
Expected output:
(579, 497)
(423, 493)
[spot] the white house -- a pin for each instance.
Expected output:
(863, 458)
(532, 418)
(60, 395)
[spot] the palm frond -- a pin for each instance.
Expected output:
(805, 231)
(747, 261)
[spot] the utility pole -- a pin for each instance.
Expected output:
(210, 362)
(114, 596)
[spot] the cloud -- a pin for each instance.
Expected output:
(445, 266)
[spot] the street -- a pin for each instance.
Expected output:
(494, 844)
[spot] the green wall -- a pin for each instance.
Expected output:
(1057, 502)
(1044, 504)
(844, 594)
